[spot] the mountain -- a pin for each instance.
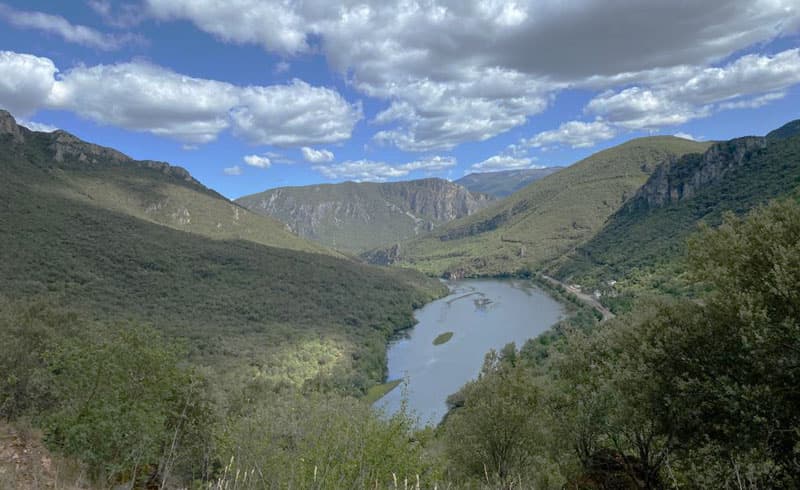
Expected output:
(152, 191)
(542, 221)
(86, 228)
(642, 244)
(354, 217)
(504, 183)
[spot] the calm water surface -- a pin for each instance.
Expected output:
(483, 314)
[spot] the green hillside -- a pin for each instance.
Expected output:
(543, 221)
(358, 216)
(152, 191)
(643, 244)
(505, 182)
(245, 309)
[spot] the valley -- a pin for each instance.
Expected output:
(130, 292)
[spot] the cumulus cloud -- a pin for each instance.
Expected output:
(257, 161)
(440, 115)
(275, 25)
(25, 82)
(700, 92)
(235, 170)
(367, 170)
(361, 170)
(503, 162)
(295, 114)
(144, 97)
(575, 134)
(316, 156)
(430, 164)
(466, 71)
(59, 26)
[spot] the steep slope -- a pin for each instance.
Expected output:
(504, 183)
(543, 221)
(245, 309)
(153, 191)
(641, 246)
(354, 217)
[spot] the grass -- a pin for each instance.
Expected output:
(442, 338)
(355, 217)
(546, 219)
(376, 392)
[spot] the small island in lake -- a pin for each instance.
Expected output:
(442, 338)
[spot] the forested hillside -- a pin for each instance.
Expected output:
(641, 246)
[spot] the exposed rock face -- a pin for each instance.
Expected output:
(681, 178)
(360, 216)
(68, 150)
(9, 126)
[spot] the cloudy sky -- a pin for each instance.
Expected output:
(253, 94)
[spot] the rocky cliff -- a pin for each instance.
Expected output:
(358, 216)
(681, 178)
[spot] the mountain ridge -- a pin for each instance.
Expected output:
(731, 176)
(353, 216)
(542, 221)
(503, 183)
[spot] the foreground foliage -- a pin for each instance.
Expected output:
(677, 393)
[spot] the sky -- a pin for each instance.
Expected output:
(254, 94)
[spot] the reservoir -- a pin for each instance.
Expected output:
(482, 314)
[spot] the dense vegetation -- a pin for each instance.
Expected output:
(358, 216)
(546, 219)
(505, 182)
(678, 393)
(642, 245)
(162, 358)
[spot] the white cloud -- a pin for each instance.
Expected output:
(257, 161)
(575, 134)
(281, 67)
(144, 97)
(467, 71)
(440, 115)
(61, 27)
(316, 156)
(273, 24)
(295, 114)
(361, 170)
(25, 82)
(503, 162)
(686, 136)
(37, 126)
(700, 92)
(235, 170)
(753, 102)
(430, 164)
(366, 170)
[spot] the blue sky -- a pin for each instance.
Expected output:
(254, 94)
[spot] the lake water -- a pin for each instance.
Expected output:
(483, 314)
